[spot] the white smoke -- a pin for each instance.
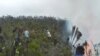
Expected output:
(85, 15)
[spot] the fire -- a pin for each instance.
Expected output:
(89, 49)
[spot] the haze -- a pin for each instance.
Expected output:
(83, 13)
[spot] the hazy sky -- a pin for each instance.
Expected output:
(34, 7)
(83, 13)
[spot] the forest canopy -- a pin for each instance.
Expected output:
(39, 44)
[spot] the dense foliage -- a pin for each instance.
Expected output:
(39, 44)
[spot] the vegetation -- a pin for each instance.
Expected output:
(39, 44)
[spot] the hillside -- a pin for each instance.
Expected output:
(39, 44)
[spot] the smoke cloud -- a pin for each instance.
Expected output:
(83, 13)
